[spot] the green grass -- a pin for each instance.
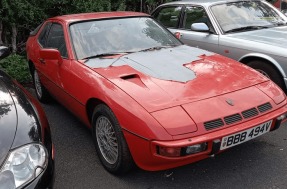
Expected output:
(17, 67)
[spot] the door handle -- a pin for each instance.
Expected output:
(42, 60)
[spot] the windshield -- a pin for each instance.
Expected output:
(246, 14)
(120, 35)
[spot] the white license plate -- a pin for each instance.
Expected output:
(243, 136)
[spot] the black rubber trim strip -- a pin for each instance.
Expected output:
(135, 134)
(215, 146)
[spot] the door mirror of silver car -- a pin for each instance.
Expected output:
(199, 27)
(4, 52)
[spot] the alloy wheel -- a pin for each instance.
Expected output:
(106, 139)
(38, 85)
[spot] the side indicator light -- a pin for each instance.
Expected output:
(169, 151)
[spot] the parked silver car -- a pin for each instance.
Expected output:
(252, 31)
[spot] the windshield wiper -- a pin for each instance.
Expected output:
(245, 28)
(157, 48)
(103, 55)
(281, 23)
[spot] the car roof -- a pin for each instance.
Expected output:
(96, 15)
(203, 2)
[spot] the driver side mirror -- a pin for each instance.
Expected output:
(4, 52)
(201, 27)
(50, 54)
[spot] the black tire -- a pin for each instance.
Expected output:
(269, 71)
(41, 92)
(122, 162)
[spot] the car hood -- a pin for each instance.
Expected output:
(8, 121)
(272, 36)
(197, 75)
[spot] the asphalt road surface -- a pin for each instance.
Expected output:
(259, 163)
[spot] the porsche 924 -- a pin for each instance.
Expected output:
(148, 99)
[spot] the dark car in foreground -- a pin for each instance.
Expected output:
(149, 99)
(26, 148)
(251, 32)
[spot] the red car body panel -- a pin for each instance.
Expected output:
(152, 111)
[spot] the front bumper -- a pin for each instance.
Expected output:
(145, 154)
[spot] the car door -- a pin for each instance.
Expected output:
(39, 62)
(202, 39)
(64, 78)
(52, 69)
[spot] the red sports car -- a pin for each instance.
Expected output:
(149, 99)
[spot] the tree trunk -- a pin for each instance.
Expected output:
(1, 31)
(13, 38)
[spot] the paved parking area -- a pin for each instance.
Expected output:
(260, 163)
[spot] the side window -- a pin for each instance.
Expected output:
(56, 39)
(169, 16)
(195, 15)
(43, 35)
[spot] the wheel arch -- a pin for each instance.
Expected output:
(31, 66)
(257, 56)
(90, 105)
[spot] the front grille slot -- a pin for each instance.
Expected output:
(213, 124)
(264, 107)
(250, 113)
(232, 119)
(228, 120)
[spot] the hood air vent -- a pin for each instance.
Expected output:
(131, 76)
(134, 78)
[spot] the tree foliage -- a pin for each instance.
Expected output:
(17, 67)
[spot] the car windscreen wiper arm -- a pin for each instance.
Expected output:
(157, 48)
(245, 28)
(103, 55)
(281, 23)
